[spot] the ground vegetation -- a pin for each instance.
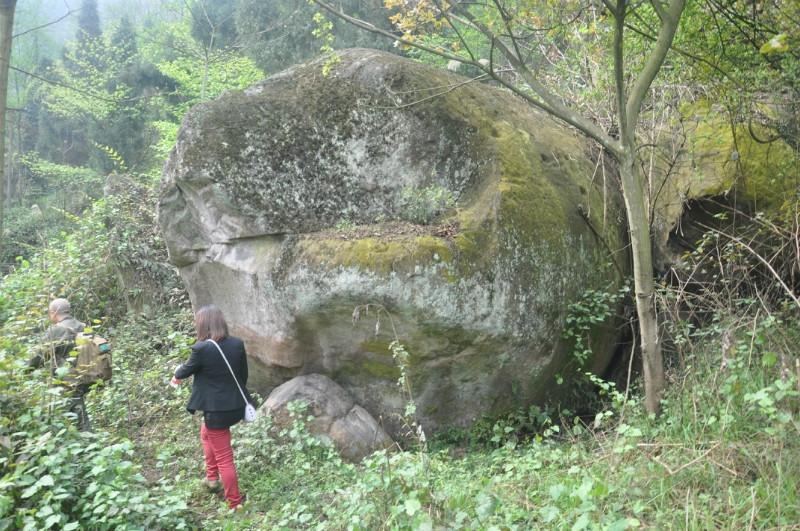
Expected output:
(723, 454)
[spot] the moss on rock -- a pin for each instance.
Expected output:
(260, 178)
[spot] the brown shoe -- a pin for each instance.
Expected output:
(209, 484)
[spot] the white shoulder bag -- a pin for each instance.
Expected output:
(250, 413)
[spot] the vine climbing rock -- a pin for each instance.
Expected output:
(473, 220)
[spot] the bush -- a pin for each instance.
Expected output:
(27, 232)
(54, 477)
(423, 204)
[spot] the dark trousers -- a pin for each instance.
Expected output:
(77, 405)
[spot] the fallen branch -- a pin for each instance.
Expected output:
(686, 465)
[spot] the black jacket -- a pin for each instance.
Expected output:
(213, 388)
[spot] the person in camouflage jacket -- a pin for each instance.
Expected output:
(57, 342)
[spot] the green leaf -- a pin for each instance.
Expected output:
(557, 490)
(600, 490)
(581, 523)
(30, 491)
(584, 490)
(53, 520)
(622, 524)
(775, 44)
(46, 481)
(549, 513)
(412, 506)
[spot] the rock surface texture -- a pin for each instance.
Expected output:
(287, 205)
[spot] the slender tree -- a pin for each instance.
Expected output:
(289, 25)
(507, 30)
(95, 105)
(7, 8)
(203, 32)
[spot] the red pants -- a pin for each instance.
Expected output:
(219, 462)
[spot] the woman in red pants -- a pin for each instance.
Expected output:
(217, 395)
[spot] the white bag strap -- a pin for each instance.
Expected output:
(231, 369)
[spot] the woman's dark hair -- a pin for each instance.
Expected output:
(210, 324)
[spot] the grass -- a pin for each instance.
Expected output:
(724, 456)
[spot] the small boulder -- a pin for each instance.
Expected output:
(337, 418)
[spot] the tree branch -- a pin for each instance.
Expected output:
(79, 91)
(56, 21)
(544, 99)
(761, 259)
(659, 9)
(654, 62)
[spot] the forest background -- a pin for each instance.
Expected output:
(96, 93)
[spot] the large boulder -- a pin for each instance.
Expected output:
(292, 202)
(723, 164)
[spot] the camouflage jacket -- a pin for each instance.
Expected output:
(59, 340)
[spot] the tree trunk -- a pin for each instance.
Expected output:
(6, 33)
(641, 248)
(633, 188)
